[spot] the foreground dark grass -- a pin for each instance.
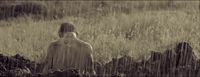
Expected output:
(176, 62)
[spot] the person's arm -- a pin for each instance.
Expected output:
(90, 61)
(48, 59)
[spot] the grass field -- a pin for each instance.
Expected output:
(112, 35)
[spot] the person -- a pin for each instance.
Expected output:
(69, 52)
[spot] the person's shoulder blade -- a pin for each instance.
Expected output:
(85, 45)
(54, 43)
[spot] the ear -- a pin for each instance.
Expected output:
(60, 34)
(76, 33)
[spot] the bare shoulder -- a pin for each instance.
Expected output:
(84, 44)
(54, 44)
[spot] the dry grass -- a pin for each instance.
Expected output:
(149, 30)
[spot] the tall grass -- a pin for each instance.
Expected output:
(147, 30)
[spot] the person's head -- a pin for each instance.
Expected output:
(66, 28)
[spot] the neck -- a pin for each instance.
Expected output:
(69, 35)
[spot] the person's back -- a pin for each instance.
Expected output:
(69, 53)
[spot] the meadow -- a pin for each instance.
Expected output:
(113, 29)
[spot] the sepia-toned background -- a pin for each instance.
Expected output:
(113, 28)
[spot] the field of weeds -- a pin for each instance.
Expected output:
(113, 28)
